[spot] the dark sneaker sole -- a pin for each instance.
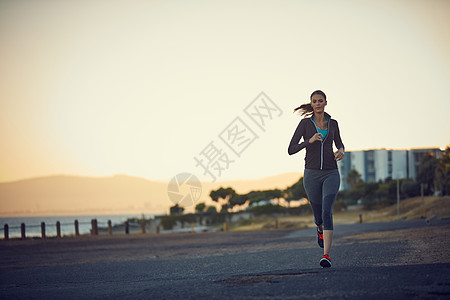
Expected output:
(325, 263)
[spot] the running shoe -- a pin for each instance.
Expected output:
(325, 262)
(320, 238)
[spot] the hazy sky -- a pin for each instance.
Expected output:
(142, 87)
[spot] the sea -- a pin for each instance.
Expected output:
(33, 224)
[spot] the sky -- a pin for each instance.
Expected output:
(157, 88)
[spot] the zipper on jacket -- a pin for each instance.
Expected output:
(321, 156)
(321, 142)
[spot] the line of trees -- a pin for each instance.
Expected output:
(378, 194)
(433, 173)
(229, 199)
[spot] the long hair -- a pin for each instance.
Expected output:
(306, 108)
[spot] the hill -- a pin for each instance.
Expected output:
(121, 194)
(412, 209)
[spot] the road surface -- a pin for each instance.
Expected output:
(398, 260)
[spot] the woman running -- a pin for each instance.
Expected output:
(321, 178)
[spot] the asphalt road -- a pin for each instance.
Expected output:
(249, 265)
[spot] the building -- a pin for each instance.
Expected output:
(378, 164)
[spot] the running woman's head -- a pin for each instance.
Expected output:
(318, 101)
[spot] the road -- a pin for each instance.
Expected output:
(398, 260)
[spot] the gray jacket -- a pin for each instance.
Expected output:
(319, 155)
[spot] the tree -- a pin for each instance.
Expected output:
(224, 208)
(353, 177)
(256, 196)
(225, 194)
(410, 188)
(176, 210)
(427, 170)
(382, 193)
(274, 194)
(392, 191)
(267, 209)
(358, 191)
(442, 173)
(222, 193)
(237, 199)
(296, 191)
(211, 210)
(200, 207)
(369, 199)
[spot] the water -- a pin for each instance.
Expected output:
(33, 224)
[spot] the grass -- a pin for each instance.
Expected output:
(270, 222)
(410, 209)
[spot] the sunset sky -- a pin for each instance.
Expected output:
(98, 88)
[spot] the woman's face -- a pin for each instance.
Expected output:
(318, 103)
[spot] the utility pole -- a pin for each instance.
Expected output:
(398, 199)
(423, 201)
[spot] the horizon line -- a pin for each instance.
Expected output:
(141, 177)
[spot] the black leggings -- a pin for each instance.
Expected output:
(321, 188)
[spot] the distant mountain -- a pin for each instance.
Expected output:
(56, 195)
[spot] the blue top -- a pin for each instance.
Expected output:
(324, 132)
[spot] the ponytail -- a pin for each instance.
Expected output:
(305, 110)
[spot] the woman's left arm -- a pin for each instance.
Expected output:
(338, 155)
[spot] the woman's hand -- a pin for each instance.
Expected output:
(316, 137)
(338, 155)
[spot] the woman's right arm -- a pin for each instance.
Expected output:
(294, 145)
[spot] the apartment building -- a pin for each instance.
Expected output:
(378, 164)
